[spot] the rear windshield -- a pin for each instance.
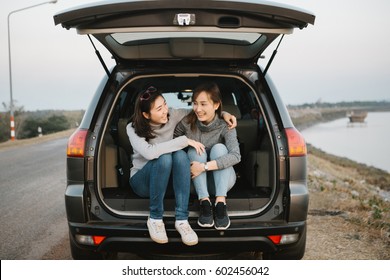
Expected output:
(233, 38)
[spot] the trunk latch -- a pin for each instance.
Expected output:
(184, 19)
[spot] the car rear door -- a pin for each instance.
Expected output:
(178, 29)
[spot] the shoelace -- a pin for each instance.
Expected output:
(159, 227)
(185, 228)
(206, 210)
(220, 211)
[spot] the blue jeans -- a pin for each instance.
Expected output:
(152, 181)
(216, 182)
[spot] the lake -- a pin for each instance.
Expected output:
(366, 143)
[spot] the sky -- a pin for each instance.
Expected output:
(342, 57)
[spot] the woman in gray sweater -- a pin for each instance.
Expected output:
(155, 155)
(212, 171)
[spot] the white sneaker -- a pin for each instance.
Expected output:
(157, 231)
(188, 236)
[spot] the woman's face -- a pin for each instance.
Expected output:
(204, 108)
(159, 112)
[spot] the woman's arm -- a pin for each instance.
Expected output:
(231, 142)
(152, 151)
(179, 114)
(233, 157)
(230, 119)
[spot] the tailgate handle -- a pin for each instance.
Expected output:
(229, 22)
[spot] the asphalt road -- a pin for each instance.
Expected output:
(32, 212)
(33, 222)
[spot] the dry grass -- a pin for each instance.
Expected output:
(349, 218)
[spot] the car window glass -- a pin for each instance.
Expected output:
(236, 38)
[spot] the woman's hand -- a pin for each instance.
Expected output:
(230, 119)
(196, 168)
(199, 147)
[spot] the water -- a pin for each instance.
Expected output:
(365, 143)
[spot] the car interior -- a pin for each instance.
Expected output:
(255, 183)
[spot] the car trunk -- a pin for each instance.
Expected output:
(256, 173)
(217, 36)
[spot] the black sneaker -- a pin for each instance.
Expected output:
(206, 218)
(222, 220)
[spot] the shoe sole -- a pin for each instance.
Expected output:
(222, 228)
(206, 225)
(159, 241)
(191, 243)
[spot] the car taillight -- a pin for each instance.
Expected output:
(76, 143)
(284, 238)
(296, 143)
(275, 238)
(89, 239)
(97, 239)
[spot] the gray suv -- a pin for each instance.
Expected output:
(176, 45)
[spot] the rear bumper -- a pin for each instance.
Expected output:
(135, 238)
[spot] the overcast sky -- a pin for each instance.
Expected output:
(343, 57)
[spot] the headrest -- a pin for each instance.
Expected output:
(228, 99)
(232, 109)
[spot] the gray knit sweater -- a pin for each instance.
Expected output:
(215, 132)
(163, 143)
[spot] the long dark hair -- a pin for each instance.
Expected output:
(143, 104)
(213, 93)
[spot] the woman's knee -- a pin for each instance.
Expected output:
(194, 156)
(164, 162)
(180, 158)
(218, 150)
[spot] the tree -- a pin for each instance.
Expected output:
(48, 124)
(55, 123)
(4, 127)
